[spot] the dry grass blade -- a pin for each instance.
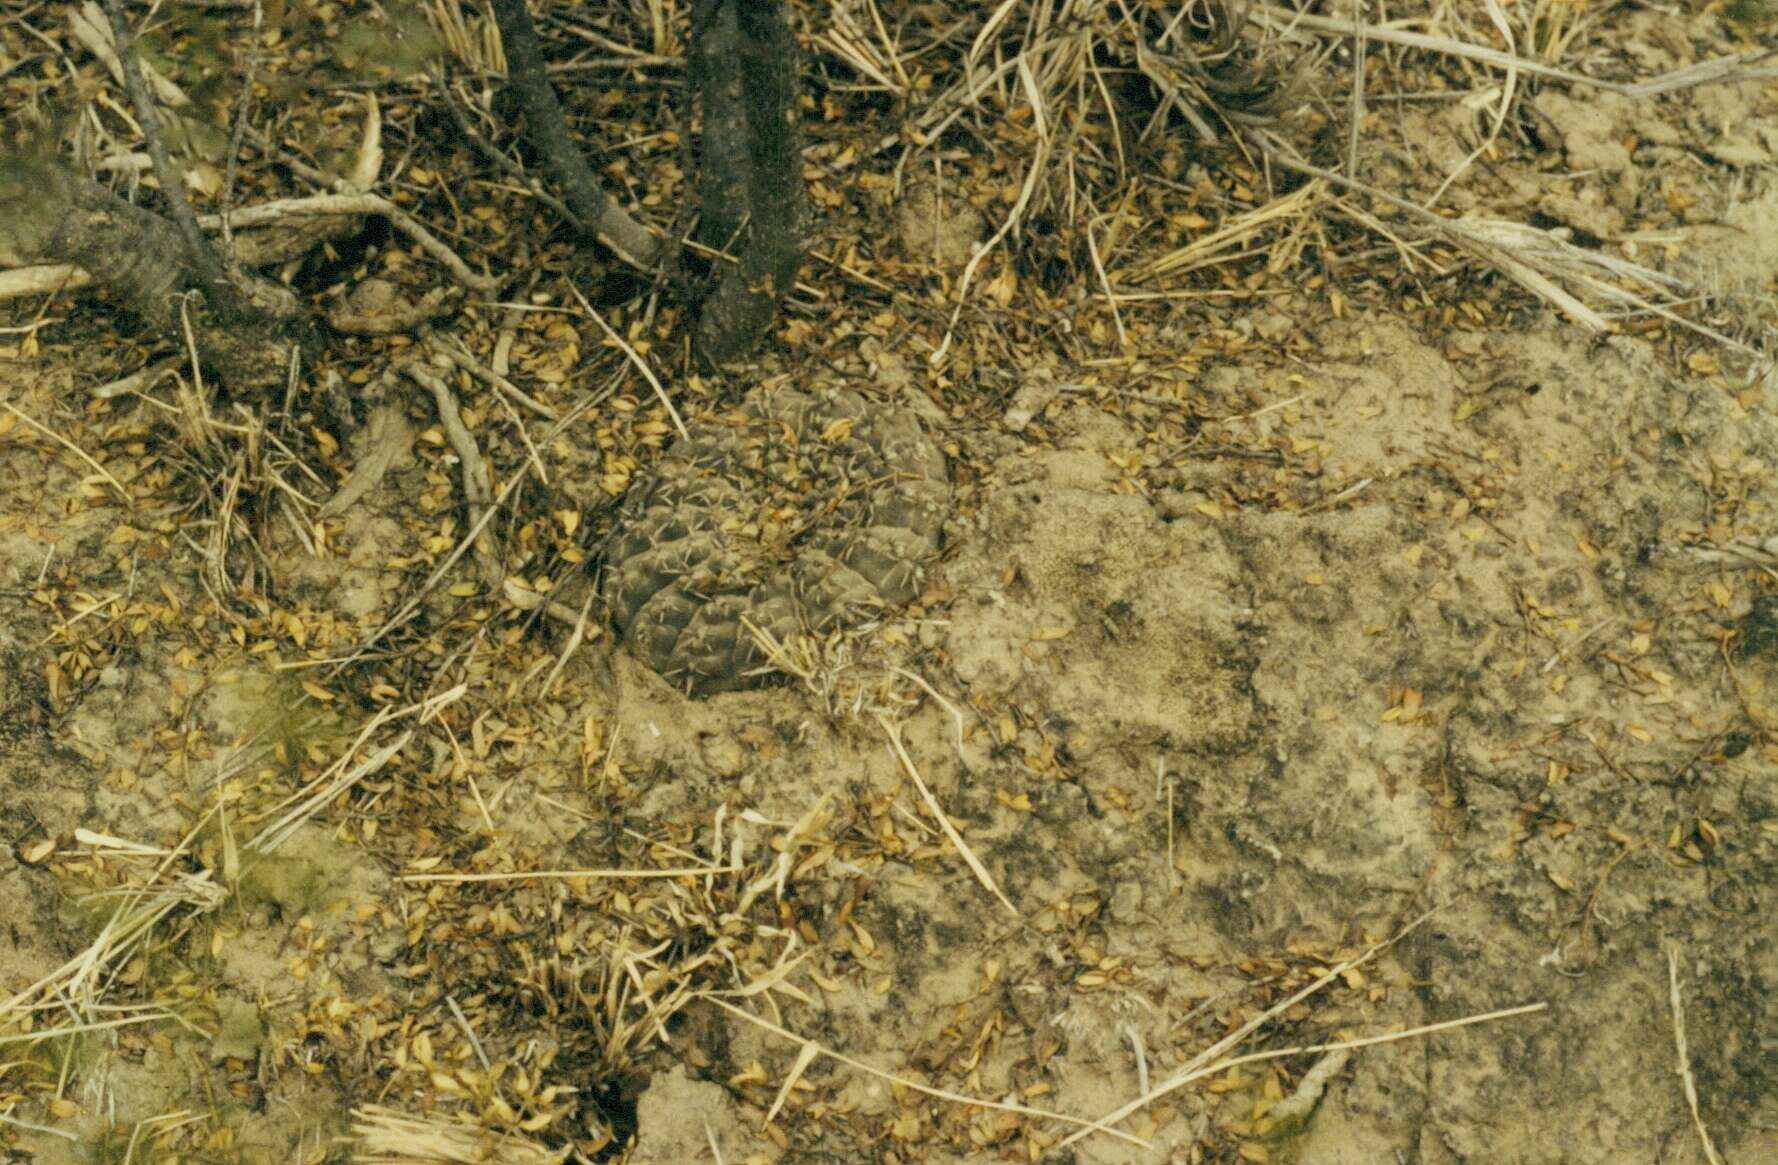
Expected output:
(635, 358)
(1044, 66)
(78, 984)
(806, 831)
(1537, 258)
(1184, 1077)
(89, 26)
(1034, 172)
(476, 49)
(341, 775)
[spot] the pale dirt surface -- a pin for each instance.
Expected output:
(1403, 619)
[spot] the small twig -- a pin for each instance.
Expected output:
(301, 805)
(1501, 243)
(1141, 1054)
(1035, 167)
(357, 203)
(453, 348)
(478, 483)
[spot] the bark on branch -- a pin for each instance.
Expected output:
(546, 127)
(743, 75)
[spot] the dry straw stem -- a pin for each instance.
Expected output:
(1237, 232)
(805, 1055)
(1040, 156)
(77, 985)
(1209, 1061)
(89, 25)
(1535, 259)
(103, 473)
(874, 59)
(636, 359)
(153, 1015)
(805, 831)
(565, 875)
(387, 1137)
(943, 819)
(1189, 1074)
(1034, 55)
(337, 778)
(1502, 109)
(1748, 66)
(1685, 1062)
(479, 50)
(948, 706)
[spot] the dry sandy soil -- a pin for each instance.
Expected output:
(1420, 647)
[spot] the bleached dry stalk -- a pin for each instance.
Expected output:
(388, 1137)
(1685, 1061)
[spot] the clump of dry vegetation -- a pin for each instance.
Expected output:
(458, 449)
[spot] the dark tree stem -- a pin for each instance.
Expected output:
(200, 257)
(714, 62)
(547, 128)
(744, 76)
